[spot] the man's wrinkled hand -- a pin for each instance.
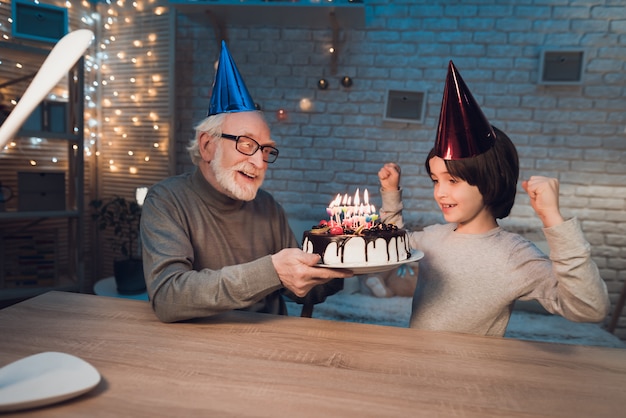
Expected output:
(297, 272)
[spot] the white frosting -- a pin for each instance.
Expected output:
(354, 251)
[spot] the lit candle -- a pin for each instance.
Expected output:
(347, 201)
(331, 210)
(344, 208)
(337, 205)
(366, 199)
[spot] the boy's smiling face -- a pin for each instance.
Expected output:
(460, 202)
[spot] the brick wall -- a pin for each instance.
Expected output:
(574, 132)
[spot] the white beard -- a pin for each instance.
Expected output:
(226, 176)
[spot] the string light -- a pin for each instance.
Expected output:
(281, 114)
(306, 105)
(106, 100)
(139, 49)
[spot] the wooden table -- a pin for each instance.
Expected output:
(242, 364)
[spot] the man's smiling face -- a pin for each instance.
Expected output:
(231, 172)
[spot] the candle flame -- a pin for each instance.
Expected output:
(352, 214)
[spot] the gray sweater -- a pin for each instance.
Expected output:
(205, 253)
(469, 282)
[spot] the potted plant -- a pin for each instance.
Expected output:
(122, 216)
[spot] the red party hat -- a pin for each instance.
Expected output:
(463, 129)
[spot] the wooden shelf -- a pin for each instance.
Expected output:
(47, 134)
(17, 215)
(295, 14)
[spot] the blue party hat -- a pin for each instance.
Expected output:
(229, 91)
(463, 129)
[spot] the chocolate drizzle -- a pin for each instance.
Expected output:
(320, 242)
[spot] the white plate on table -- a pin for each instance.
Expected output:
(43, 379)
(358, 268)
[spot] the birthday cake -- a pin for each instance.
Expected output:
(354, 235)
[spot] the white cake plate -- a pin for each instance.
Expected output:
(358, 268)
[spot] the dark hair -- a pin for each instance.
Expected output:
(495, 173)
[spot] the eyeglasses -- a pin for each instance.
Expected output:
(248, 146)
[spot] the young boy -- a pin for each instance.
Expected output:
(473, 271)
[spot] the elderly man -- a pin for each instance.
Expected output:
(212, 239)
